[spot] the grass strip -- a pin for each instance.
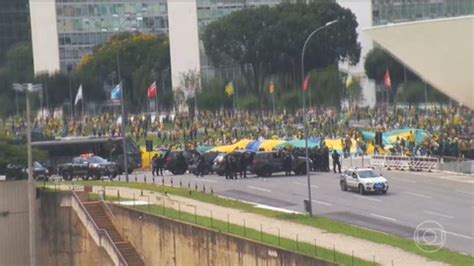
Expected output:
(408, 245)
(258, 236)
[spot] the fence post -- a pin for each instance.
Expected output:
(171, 182)
(278, 236)
(297, 246)
(203, 188)
(148, 203)
(315, 247)
(180, 183)
(245, 229)
(144, 178)
(334, 253)
(162, 181)
(261, 233)
(228, 223)
(195, 214)
(133, 199)
(212, 191)
(118, 195)
(179, 210)
(135, 178)
(212, 223)
(163, 205)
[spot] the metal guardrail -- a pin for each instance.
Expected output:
(101, 232)
(405, 162)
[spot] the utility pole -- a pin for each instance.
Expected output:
(310, 210)
(28, 88)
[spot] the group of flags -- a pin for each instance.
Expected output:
(152, 90)
(116, 92)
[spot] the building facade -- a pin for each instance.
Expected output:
(14, 24)
(432, 38)
(397, 11)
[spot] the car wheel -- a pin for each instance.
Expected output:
(266, 171)
(67, 176)
(343, 186)
(361, 190)
(301, 170)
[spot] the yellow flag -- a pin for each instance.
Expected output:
(229, 89)
(271, 88)
(349, 81)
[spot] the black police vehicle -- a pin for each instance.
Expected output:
(264, 164)
(87, 166)
(177, 161)
(208, 163)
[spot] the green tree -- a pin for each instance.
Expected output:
(18, 68)
(16, 153)
(257, 40)
(142, 59)
(325, 87)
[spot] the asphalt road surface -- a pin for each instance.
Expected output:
(445, 202)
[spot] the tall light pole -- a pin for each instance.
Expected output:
(310, 205)
(69, 70)
(122, 102)
(29, 88)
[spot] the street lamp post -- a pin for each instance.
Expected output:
(69, 70)
(28, 88)
(310, 208)
(122, 101)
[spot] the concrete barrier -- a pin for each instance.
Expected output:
(163, 241)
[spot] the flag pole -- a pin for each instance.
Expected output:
(83, 104)
(156, 100)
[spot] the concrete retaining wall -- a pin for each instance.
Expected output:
(63, 239)
(162, 241)
(14, 223)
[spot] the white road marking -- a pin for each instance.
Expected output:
(260, 189)
(465, 192)
(383, 217)
(322, 203)
(438, 214)
(459, 235)
(262, 206)
(304, 184)
(403, 180)
(418, 195)
(206, 180)
(299, 183)
(367, 198)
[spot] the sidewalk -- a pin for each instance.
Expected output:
(384, 254)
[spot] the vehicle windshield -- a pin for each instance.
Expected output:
(368, 174)
(97, 159)
(37, 165)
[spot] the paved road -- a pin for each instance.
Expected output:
(414, 197)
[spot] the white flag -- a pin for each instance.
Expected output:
(78, 95)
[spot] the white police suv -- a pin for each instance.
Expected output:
(363, 180)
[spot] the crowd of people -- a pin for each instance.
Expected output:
(450, 129)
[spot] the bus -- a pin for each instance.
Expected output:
(111, 148)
